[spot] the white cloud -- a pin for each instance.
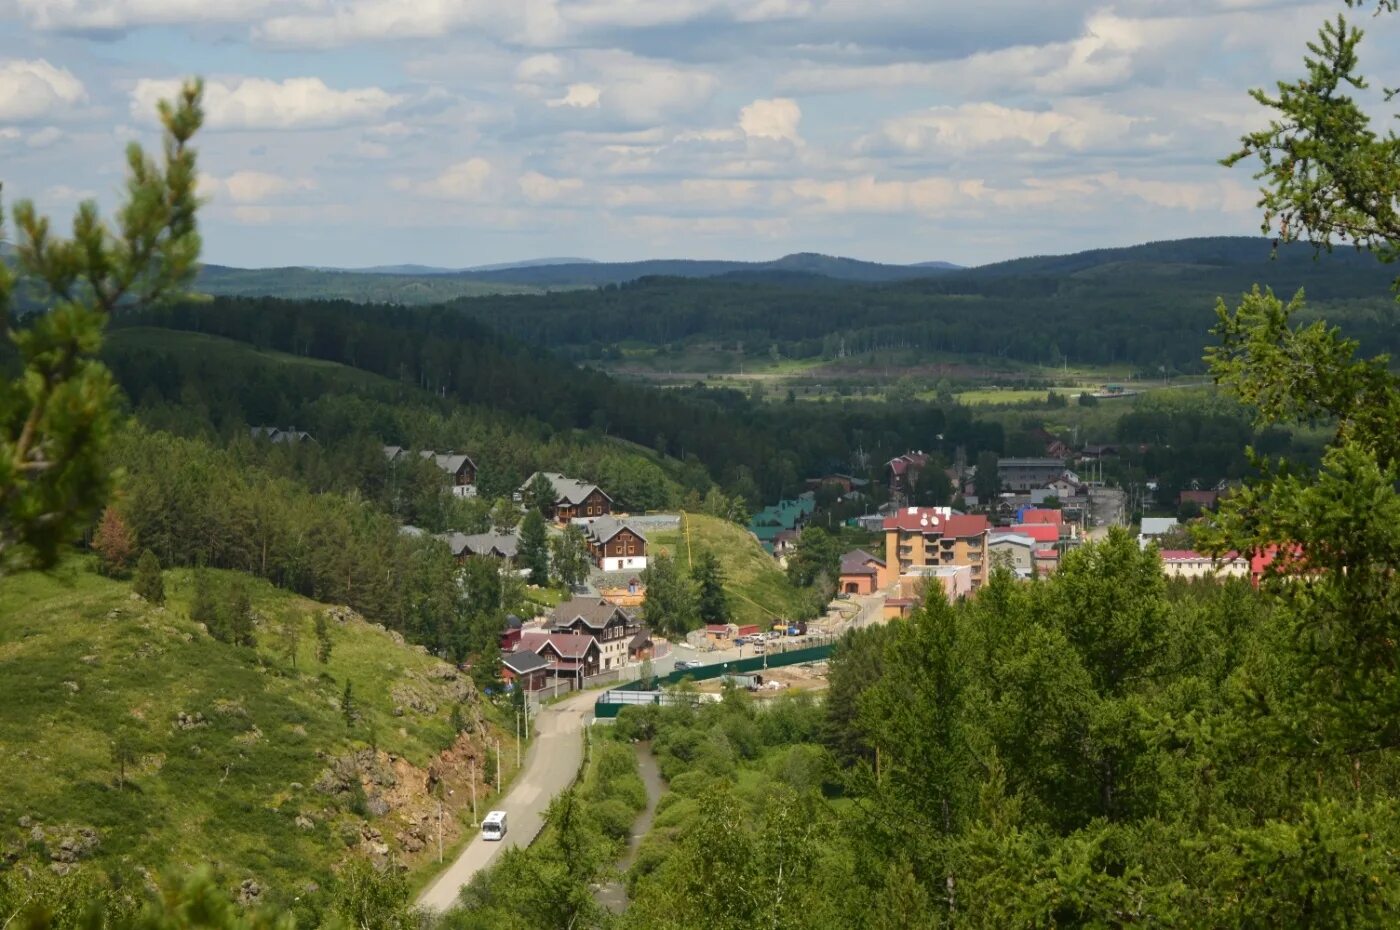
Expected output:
(527, 22)
(253, 187)
(539, 188)
(49, 135)
(771, 119)
(466, 180)
(258, 103)
(1073, 125)
(115, 15)
(578, 96)
(33, 89)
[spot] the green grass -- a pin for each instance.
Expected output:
(758, 589)
(82, 664)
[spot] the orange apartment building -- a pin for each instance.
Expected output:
(920, 537)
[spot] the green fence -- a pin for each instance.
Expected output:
(606, 708)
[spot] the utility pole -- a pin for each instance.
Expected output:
(498, 766)
(517, 741)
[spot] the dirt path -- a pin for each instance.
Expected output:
(613, 895)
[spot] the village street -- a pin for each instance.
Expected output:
(551, 764)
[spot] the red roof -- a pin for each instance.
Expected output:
(1043, 516)
(1040, 532)
(748, 629)
(573, 645)
(1046, 554)
(716, 628)
(968, 525)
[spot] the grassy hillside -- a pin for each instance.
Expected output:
(759, 591)
(237, 757)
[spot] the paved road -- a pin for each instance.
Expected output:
(551, 765)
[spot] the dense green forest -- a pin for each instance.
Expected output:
(755, 450)
(1102, 749)
(1146, 306)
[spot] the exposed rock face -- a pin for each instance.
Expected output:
(249, 892)
(187, 721)
(343, 615)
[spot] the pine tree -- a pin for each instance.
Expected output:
(114, 544)
(710, 601)
(539, 495)
(347, 706)
(323, 639)
(149, 582)
(204, 608)
(59, 411)
(534, 547)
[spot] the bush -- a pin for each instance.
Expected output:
(614, 818)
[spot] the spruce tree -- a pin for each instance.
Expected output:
(710, 601)
(347, 706)
(534, 547)
(323, 639)
(58, 401)
(149, 582)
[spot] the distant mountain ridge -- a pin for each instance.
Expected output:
(598, 274)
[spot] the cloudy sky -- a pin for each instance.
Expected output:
(461, 132)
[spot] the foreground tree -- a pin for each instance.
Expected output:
(58, 414)
(1327, 177)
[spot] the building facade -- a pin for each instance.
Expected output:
(922, 537)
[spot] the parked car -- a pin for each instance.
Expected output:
(687, 664)
(741, 640)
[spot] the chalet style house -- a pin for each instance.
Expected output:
(495, 545)
(280, 436)
(615, 546)
(572, 498)
(612, 627)
(458, 467)
(570, 655)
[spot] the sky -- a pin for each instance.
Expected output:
(462, 132)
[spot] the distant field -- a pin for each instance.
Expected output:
(360, 287)
(759, 591)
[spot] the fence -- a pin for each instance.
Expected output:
(611, 702)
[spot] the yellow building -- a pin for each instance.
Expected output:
(926, 537)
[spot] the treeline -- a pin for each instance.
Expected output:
(1099, 749)
(1145, 309)
(757, 451)
(196, 505)
(197, 386)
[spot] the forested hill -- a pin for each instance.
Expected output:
(1150, 306)
(418, 285)
(755, 450)
(806, 263)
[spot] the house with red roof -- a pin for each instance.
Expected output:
(570, 655)
(903, 472)
(919, 537)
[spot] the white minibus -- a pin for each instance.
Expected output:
(494, 826)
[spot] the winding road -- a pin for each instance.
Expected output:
(551, 765)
